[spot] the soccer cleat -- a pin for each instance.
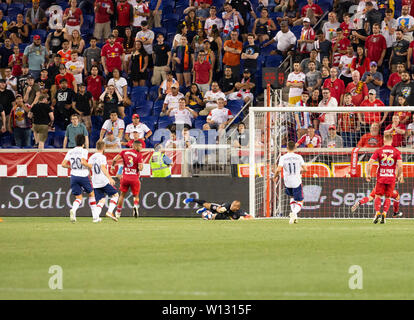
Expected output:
(355, 207)
(377, 217)
(188, 200)
(292, 218)
(97, 220)
(397, 214)
(382, 219)
(72, 216)
(118, 215)
(135, 212)
(201, 210)
(111, 215)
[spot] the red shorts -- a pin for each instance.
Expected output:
(382, 189)
(127, 182)
(394, 194)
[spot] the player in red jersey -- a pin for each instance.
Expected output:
(132, 159)
(395, 204)
(390, 167)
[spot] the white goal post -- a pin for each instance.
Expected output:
(330, 188)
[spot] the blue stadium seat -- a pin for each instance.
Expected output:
(157, 107)
(266, 50)
(16, 6)
(22, 46)
(88, 19)
(59, 136)
(144, 105)
(164, 122)
(127, 120)
(94, 137)
(97, 122)
(235, 106)
(273, 61)
(167, 10)
(198, 123)
(159, 30)
(40, 32)
(143, 112)
(3, 7)
(296, 30)
(28, 5)
(138, 94)
(6, 140)
(153, 93)
(150, 121)
(49, 140)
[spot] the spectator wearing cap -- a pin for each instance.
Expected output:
(36, 17)
(183, 115)
(70, 79)
(137, 127)
(302, 119)
(399, 52)
(42, 118)
(20, 123)
(285, 39)
(203, 72)
(171, 100)
(296, 83)
(368, 118)
(162, 60)
(114, 126)
(31, 90)
(310, 139)
(244, 88)
(306, 40)
(104, 9)
(250, 54)
(311, 11)
(72, 130)
(84, 106)
(373, 78)
(112, 56)
(232, 52)
(332, 140)
(35, 56)
(376, 45)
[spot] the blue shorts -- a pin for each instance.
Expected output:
(78, 185)
(100, 192)
(296, 193)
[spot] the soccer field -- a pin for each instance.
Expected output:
(167, 258)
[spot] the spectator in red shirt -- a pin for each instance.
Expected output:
(339, 47)
(104, 9)
(368, 118)
(376, 45)
(396, 76)
(73, 17)
(16, 61)
(63, 74)
(347, 25)
(311, 11)
(397, 130)
(405, 116)
(125, 16)
(357, 88)
(203, 72)
(335, 85)
(361, 62)
(371, 139)
(410, 58)
(112, 56)
(95, 83)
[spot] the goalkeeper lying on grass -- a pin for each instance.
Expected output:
(225, 211)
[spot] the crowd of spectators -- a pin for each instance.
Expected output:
(98, 66)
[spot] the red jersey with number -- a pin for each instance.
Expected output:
(387, 158)
(132, 159)
(113, 56)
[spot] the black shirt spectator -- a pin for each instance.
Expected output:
(251, 64)
(83, 103)
(22, 80)
(45, 84)
(41, 113)
(63, 109)
(6, 98)
(399, 46)
(404, 88)
(161, 54)
(5, 52)
(227, 82)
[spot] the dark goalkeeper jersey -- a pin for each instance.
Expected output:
(228, 214)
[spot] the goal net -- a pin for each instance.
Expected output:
(336, 152)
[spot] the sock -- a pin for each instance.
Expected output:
(119, 209)
(200, 202)
(396, 206)
(76, 205)
(292, 204)
(364, 200)
(377, 204)
(112, 204)
(136, 203)
(387, 205)
(99, 206)
(297, 207)
(92, 205)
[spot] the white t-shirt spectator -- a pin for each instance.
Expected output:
(141, 128)
(284, 40)
(330, 30)
(296, 78)
(213, 96)
(329, 117)
(220, 116)
(405, 21)
(141, 8)
(75, 66)
(314, 142)
(12, 81)
(210, 22)
(114, 127)
(346, 62)
(119, 84)
(173, 101)
(143, 36)
(182, 116)
(389, 38)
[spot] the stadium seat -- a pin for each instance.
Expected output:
(59, 136)
(164, 122)
(273, 61)
(49, 140)
(266, 50)
(94, 137)
(97, 122)
(3, 7)
(138, 94)
(16, 6)
(198, 123)
(22, 46)
(144, 112)
(235, 106)
(157, 107)
(144, 105)
(150, 121)
(160, 30)
(6, 140)
(88, 19)
(153, 93)
(296, 30)
(166, 16)
(40, 32)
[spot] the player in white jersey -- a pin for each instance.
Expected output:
(292, 165)
(102, 182)
(77, 160)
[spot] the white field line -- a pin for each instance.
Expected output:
(354, 294)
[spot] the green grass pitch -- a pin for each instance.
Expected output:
(177, 258)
